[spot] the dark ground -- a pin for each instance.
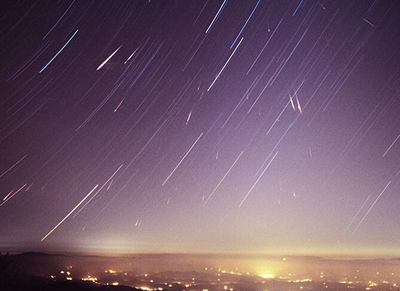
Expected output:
(13, 278)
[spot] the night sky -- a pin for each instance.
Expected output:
(216, 126)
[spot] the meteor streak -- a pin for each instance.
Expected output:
(107, 59)
(298, 104)
(291, 102)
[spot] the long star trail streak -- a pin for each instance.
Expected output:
(97, 192)
(216, 78)
(13, 166)
(34, 57)
(62, 220)
(289, 57)
(279, 141)
(176, 167)
(216, 15)
(384, 154)
(20, 105)
(24, 120)
(240, 103)
(63, 47)
(265, 45)
(251, 14)
(58, 21)
(98, 108)
(369, 210)
(297, 8)
(223, 178)
(354, 217)
(116, 195)
(11, 195)
(342, 84)
(258, 179)
(147, 143)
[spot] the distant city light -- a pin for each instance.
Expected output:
(267, 276)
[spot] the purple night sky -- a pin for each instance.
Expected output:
(227, 126)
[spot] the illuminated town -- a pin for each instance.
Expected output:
(219, 279)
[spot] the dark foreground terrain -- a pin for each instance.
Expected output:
(13, 277)
(166, 272)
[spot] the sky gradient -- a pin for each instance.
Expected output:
(200, 127)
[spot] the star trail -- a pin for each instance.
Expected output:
(225, 126)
